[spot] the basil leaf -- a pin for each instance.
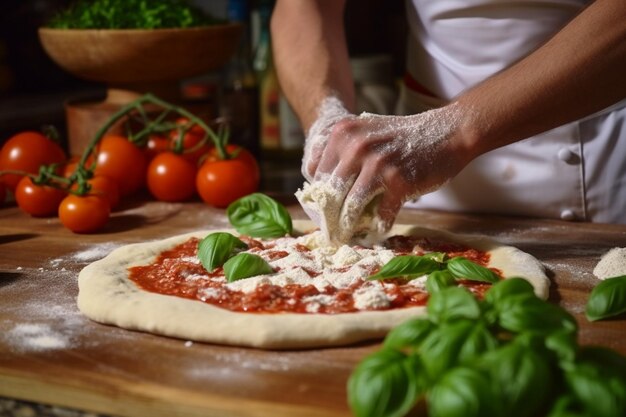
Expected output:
(564, 344)
(409, 334)
(261, 216)
(521, 378)
(507, 288)
(438, 280)
(527, 313)
(407, 266)
(451, 304)
(607, 299)
(245, 265)
(440, 257)
(462, 268)
(440, 350)
(477, 342)
(217, 248)
(598, 381)
(462, 392)
(385, 384)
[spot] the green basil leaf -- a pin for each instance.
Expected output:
(385, 384)
(462, 392)
(451, 304)
(507, 288)
(440, 350)
(598, 381)
(462, 268)
(261, 216)
(527, 313)
(607, 299)
(409, 334)
(440, 257)
(521, 378)
(245, 265)
(564, 344)
(217, 248)
(407, 266)
(477, 342)
(438, 280)
(566, 406)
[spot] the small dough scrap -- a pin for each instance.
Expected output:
(612, 264)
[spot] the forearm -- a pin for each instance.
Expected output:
(311, 55)
(578, 72)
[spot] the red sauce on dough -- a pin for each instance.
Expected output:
(177, 272)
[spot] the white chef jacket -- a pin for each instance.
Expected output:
(574, 172)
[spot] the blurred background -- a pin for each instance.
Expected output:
(34, 90)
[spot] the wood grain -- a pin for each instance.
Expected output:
(49, 353)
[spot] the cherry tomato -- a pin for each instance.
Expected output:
(38, 200)
(104, 187)
(221, 182)
(84, 214)
(123, 162)
(155, 145)
(171, 177)
(234, 152)
(3, 194)
(27, 151)
(191, 140)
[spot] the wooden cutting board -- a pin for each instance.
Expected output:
(49, 353)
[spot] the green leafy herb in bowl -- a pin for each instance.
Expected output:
(131, 14)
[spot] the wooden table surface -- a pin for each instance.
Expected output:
(50, 354)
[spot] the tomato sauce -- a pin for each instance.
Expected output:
(177, 272)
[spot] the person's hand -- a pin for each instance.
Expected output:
(330, 112)
(374, 164)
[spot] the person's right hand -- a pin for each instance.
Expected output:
(373, 164)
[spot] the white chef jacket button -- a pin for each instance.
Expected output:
(567, 156)
(567, 215)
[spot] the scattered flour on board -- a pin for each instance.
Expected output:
(612, 264)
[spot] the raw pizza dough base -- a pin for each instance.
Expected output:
(106, 295)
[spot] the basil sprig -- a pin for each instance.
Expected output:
(245, 265)
(607, 299)
(509, 354)
(258, 215)
(217, 248)
(441, 272)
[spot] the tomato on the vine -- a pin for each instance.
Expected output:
(103, 187)
(171, 177)
(123, 162)
(192, 149)
(84, 214)
(27, 151)
(234, 152)
(38, 200)
(155, 145)
(221, 182)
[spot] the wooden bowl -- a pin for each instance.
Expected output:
(129, 56)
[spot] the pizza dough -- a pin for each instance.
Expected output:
(106, 295)
(612, 264)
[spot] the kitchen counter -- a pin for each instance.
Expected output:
(51, 354)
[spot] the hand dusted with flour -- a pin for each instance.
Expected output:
(365, 168)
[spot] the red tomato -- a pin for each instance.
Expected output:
(84, 214)
(155, 145)
(221, 182)
(27, 151)
(103, 187)
(171, 177)
(38, 200)
(123, 162)
(3, 193)
(234, 152)
(191, 140)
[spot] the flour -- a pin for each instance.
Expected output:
(324, 267)
(38, 336)
(93, 253)
(612, 264)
